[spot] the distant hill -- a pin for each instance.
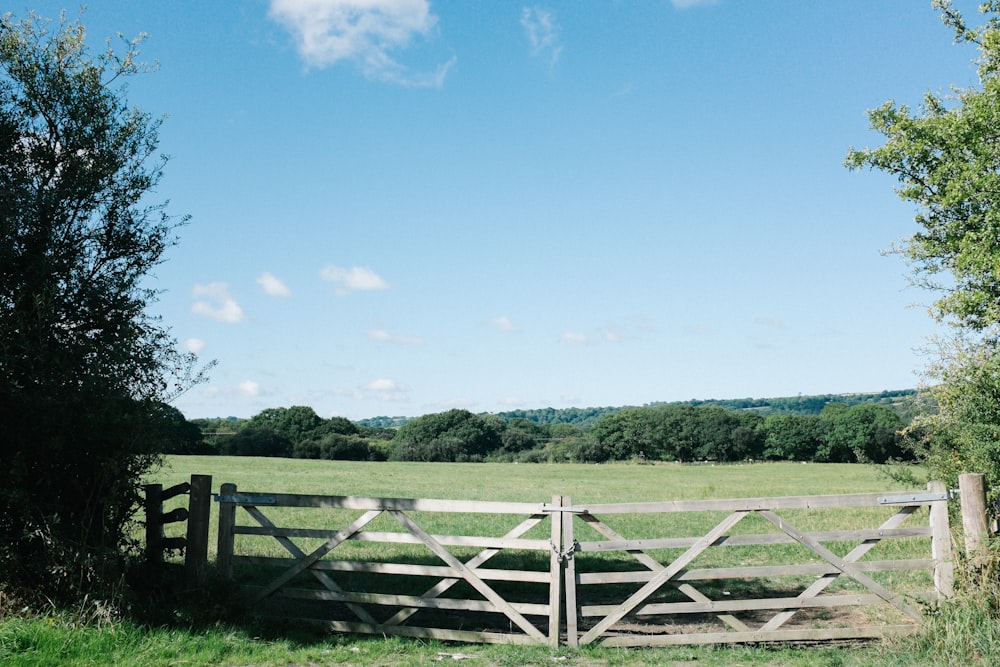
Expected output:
(902, 401)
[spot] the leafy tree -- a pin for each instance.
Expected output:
(296, 423)
(790, 437)
(866, 433)
(340, 447)
(83, 367)
(257, 441)
(173, 434)
(946, 157)
(455, 435)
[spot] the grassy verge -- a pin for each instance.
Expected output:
(44, 642)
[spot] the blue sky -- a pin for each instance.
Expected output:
(401, 207)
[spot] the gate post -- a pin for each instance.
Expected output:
(944, 574)
(196, 553)
(227, 521)
(154, 523)
(973, 494)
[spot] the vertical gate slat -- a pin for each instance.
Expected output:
(555, 572)
(944, 574)
(572, 610)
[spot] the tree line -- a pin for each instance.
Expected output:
(864, 432)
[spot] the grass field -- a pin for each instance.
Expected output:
(58, 640)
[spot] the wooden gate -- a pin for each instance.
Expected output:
(686, 590)
(633, 574)
(376, 591)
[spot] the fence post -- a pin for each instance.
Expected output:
(154, 523)
(227, 521)
(973, 492)
(196, 553)
(944, 575)
(572, 635)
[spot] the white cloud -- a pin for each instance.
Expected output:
(543, 34)
(249, 388)
(360, 31)
(217, 303)
(356, 278)
(502, 323)
(383, 336)
(574, 338)
(273, 285)
(195, 345)
(385, 389)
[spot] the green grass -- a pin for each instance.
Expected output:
(51, 641)
(59, 640)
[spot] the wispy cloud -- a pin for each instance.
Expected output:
(543, 34)
(215, 301)
(769, 322)
(194, 345)
(273, 285)
(502, 323)
(383, 336)
(354, 279)
(364, 32)
(575, 338)
(685, 4)
(385, 389)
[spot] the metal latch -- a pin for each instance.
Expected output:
(916, 498)
(564, 508)
(247, 499)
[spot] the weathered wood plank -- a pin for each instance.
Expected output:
(482, 542)
(944, 571)
(441, 571)
(753, 571)
(467, 636)
(225, 541)
(759, 539)
(414, 601)
(749, 604)
(401, 504)
(743, 504)
(199, 514)
(555, 571)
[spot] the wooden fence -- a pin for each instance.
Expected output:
(194, 543)
(760, 571)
